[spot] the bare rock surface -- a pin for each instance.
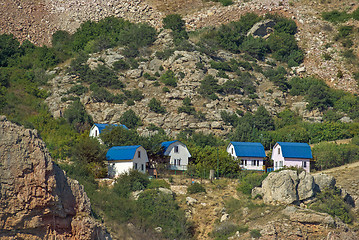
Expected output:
(37, 199)
(289, 187)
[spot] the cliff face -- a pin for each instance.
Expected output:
(37, 200)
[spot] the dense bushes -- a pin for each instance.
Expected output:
(329, 155)
(331, 202)
(169, 79)
(195, 188)
(130, 119)
(155, 106)
(250, 181)
(76, 115)
(111, 32)
(177, 25)
(233, 37)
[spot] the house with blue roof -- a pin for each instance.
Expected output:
(250, 155)
(292, 154)
(121, 159)
(178, 154)
(97, 129)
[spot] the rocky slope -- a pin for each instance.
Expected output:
(37, 200)
(37, 20)
(222, 207)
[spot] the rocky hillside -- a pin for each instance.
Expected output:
(37, 200)
(37, 20)
(222, 207)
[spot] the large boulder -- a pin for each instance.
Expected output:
(291, 187)
(280, 187)
(323, 181)
(37, 199)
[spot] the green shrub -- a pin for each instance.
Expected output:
(158, 183)
(78, 90)
(76, 115)
(335, 16)
(165, 90)
(255, 233)
(121, 65)
(130, 119)
(187, 107)
(331, 202)
(209, 86)
(149, 77)
(250, 181)
(255, 47)
(195, 188)
(329, 155)
(278, 77)
(157, 209)
(169, 79)
(155, 106)
(129, 182)
(165, 54)
(177, 25)
(227, 229)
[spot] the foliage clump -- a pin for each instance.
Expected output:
(155, 106)
(195, 188)
(331, 202)
(250, 181)
(130, 119)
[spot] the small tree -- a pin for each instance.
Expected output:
(155, 105)
(77, 116)
(130, 119)
(90, 153)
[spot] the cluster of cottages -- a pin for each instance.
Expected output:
(250, 156)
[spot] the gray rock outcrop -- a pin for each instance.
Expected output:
(289, 187)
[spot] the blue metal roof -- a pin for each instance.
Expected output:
(248, 149)
(121, 152)
(102, 126)
(165, 145)
(295, 150)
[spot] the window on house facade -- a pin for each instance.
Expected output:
(232, 151)
(304, 164)
(142, 167)
(278, 150)
(276, 164)
(139, 154)
(95, 133)
(135, 165)
(280, 164)
(174, 161)
(245, 162)
(179, 162)
(176, 149)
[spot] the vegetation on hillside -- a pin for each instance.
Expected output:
(24, 74)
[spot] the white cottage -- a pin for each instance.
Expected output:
(291, 154)
(97, 129)
(121, 159)
(178, 153)
(251, 155)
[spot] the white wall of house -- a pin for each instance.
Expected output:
(248, 163)
(179, 155)
(252, 163)
(118, 167)
(279, 161)
(94, 131)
